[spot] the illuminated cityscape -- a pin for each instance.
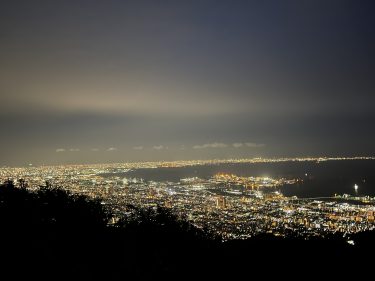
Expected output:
(231, 206)
(213, 140)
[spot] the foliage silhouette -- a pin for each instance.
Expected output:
(71, 235)
(53, 234)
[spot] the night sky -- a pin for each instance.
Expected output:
(115, 81)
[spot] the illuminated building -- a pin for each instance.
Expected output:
(221, 202)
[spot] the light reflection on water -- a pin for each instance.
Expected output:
(319, 179)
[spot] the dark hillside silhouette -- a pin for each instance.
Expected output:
(53, 234)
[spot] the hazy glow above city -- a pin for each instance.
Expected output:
(115, 81)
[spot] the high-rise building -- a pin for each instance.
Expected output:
(221, 202)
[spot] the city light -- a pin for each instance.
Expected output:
(231, 206)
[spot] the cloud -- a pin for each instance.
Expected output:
(60, 150)
(112, 149)
(237, 144)
(74, 149)
(138, 147)
(94, 149)
(247, 144)
(210, 145)
(158, 147)
(254, 145)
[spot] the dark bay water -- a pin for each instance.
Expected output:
(323, 178)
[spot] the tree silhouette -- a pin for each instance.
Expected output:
(51, 233)
(65, 229)
(22, 183)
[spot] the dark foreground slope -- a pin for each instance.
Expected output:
(51, 234)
